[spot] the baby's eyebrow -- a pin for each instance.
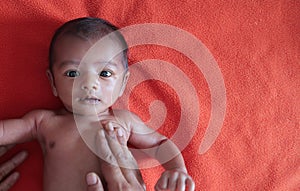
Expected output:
(113, 64)
(103, 64)
(69, 62)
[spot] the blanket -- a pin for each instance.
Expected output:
(219, 78)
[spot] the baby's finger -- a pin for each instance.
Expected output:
(190, 183)
(108, 126)
(181, 183)
(9, 181)
(162, 183)
(114, 130)
(121, 137)
(173, 181)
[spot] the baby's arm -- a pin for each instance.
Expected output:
(14, 131)
(166, 152)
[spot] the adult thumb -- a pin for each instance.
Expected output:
(93, 182)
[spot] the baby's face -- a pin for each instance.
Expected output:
(88, 80)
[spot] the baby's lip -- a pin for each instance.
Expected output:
(90, 99)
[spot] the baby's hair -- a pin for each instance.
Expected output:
(88, 28)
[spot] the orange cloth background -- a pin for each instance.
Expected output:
(256, 45)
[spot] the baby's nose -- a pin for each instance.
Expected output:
(90, 83)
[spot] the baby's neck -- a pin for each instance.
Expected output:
(93, 117)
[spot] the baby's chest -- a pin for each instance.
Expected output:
(63, 140)
(72, 136)
(66, 148)
(67, 159)
(59, 135)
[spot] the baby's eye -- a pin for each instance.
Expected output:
(105, 74)
(72, 73)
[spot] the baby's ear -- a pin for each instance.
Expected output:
(125, 80)
(51, 80)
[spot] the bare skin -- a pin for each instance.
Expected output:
(88, 86)
(125, 179)
(129, 178)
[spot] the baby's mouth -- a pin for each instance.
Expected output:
(90, 100)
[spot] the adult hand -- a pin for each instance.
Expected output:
(8, 179)
(119, 168)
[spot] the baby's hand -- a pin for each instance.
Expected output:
(175, 180)
(116, 130)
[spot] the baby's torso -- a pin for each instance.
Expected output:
(68, 144)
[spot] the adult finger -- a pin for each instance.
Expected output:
(4, 149)
(113, 154)
(120, 151)
(103, 149)
(6, 184)
(108, 161)
(125, 159)
(94, 183)
(11, 164)
(122, 179)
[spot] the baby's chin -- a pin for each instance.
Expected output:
(86, 111)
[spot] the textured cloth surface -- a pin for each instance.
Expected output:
(256, 46)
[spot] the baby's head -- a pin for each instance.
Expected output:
(87, 28)
(88, 67)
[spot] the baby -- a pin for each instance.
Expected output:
(88, 79)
